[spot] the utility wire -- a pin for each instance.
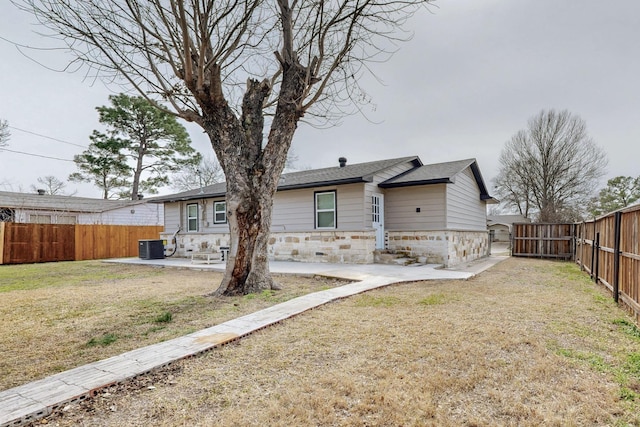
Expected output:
(47, 137)
(36, 155)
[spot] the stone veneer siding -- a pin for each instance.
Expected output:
(440, 247)
(350, 247)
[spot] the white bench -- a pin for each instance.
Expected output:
(206, 256)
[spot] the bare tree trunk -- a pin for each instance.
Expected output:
(249, 216)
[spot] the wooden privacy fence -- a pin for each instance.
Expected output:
(27, 243)
(609, 249)
(542, 240)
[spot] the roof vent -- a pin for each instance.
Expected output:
(41, 192)
(342, 161)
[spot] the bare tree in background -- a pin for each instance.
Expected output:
(553, 167)
(227, 65)
(50, 184)
(193, 176)
(4, 133)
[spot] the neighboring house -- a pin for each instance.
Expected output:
(436, 213)
(47, 209)
(500, 226)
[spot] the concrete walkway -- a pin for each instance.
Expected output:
(29, 402)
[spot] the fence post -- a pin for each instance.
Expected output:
(2, 226)
(616, 255)
(596, 247)
(593, 250)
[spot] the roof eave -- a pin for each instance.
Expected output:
(187, 198)
(415, 183)
(357, 180)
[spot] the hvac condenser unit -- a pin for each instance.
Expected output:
(151, 249)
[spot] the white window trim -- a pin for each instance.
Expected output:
(334, 210)
(189, 218)
(215, 212)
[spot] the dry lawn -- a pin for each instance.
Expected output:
(527, 343)
(57, 316)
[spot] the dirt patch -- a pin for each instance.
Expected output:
(526, 343)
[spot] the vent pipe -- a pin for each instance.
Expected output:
(342, 161)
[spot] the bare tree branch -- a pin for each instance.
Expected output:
(552, 166)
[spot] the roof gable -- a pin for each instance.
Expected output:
(439, 173)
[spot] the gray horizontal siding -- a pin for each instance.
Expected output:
(172, 217)
(401, 203)
(465, 210)
(293, 210)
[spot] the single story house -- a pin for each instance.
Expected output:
(500, 226)
(435, 213)
(57, 209)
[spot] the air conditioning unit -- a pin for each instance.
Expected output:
(151, 249)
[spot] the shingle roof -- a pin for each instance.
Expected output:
(60, 203)
(359, 172)
(438, 173)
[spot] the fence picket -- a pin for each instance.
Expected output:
(29, 243)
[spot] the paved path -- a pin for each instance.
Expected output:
(29, 402)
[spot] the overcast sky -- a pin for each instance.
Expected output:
(472, 76)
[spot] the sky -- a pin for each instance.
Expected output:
(472, 76)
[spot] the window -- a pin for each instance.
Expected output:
(40, 219)
(326, 210)
(7, 215)
(375, 209)
(192, 217)
(219, 212)
(67, 219)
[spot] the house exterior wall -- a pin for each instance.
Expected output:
(140, 214)
(294, 210)
(465, 210)
(143, 214)
(352, 247)
(501, 232)
(447, 247)
(401, 205)
(449, 228)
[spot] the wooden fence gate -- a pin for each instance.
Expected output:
(543, 240)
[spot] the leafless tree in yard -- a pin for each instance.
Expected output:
(227, 65)
(4, 133)
(50, 184)
(194, 176)
(552, 167)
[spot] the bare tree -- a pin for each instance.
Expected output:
(193, 176)
(50, 184)
(552, 166)
(193, 58)
(4, 133)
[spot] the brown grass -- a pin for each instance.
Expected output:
(527, 343)
(57, 316)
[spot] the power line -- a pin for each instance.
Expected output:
(35, 155)
(47, 137)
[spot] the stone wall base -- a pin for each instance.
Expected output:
(349, 247)
(440, 247)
